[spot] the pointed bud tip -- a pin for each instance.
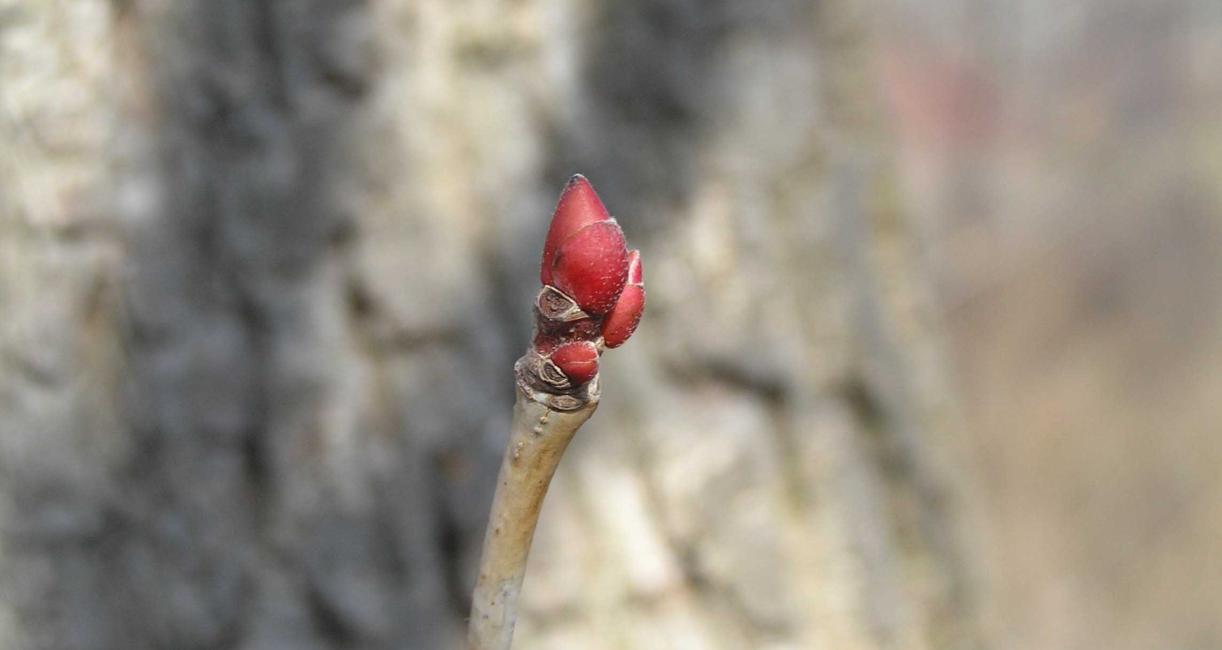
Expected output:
(578, 207)
(579, 196)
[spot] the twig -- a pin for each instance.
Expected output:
(539, 437)
(592, 299)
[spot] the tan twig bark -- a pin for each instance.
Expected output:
(543, 425)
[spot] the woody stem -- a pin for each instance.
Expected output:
(540, 433)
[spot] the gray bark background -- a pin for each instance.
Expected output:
(265, 266)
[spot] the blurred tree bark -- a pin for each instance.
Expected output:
(266, 266)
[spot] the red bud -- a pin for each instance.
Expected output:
(623, 319)
(578, 361)
(578, 207)
(593, 290)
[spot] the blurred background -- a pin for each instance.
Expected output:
(930, 360)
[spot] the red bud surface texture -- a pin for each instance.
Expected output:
(592, 267)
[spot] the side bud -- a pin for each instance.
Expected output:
(578, 361)
(623, 319)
